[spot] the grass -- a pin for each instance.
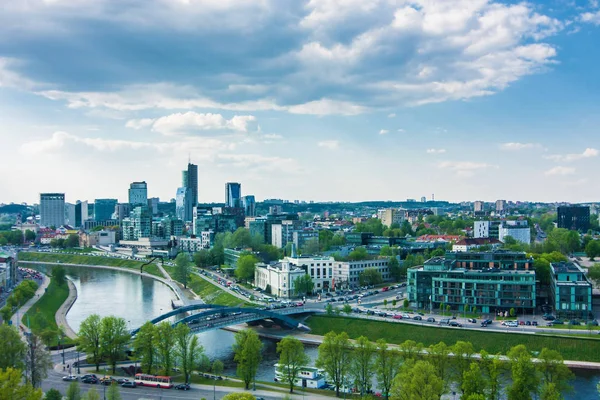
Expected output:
(571, 348)
(41, 315)
(88, 260)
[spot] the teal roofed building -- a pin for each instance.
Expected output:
(571, 291)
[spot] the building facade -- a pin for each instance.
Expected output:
(575, 218)
(52, 209)
(249, 205)
(518, 230)
(70, 217)
(486, 229)
(138, 194)
(278, 278)
(138, 225)
(183, 204)
(490, 281)
(478, 206)
(320, 269)
(391, 216)
(8, 271)
(233, 193)
(104, 209)
(501, 206)
(81, 213)
(190, 180)
(346, 274)
(571, 291)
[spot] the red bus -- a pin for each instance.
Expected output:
(164, 382)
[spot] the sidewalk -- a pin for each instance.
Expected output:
(25, 307)
(61, 313)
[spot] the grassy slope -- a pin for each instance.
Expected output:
(571, 348)
(89, 260)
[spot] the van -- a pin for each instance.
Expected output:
(444, 321)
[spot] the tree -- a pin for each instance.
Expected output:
(371, 225)
(410, 350)
(524, 379)
(88, 339)
(113, 392)
(92, 394)
(30, 235)
(334, 357)
(555, 374)
(203, 258)
(72, 241)
(146, 349)
(405, 303)
(417, 381)
(362, 364)
(592, 250)
(37, 361)
(188, 349)
(473, 382)
(217, 367)
(542, 270)
(550, 392)
(246, 265)
(370, 276)
(247, 355)
(73, 391)
(12, 388)
(329, 309)
(183, 268)
(395, 270)
(238, 396)
(304, 285)
(439, 357)
(359, 253)
(463, 355)
(12, 347)
(594, 273)
(347, 309)
(113, 338)
(494, 368)
(512, 312)
(292, 359)
(165, 343)
(388, 363)
(52, 394)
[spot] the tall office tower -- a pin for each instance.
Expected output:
(52, 209)
(478, 206)
(104, 209)
(81, 213)
(122, 211)
(138, 194)
(70, 214)
(500, 206)
(423, 199)
(183, 204)
(153, 205)
(233, 192)
(574, 217)
(190, 180)
(249, 206)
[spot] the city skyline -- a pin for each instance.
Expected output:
(324, 101)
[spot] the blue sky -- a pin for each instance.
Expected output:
(344, 100)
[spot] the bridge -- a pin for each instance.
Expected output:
(212, 316)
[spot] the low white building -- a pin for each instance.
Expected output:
(309, 377)
(278, 277)
(468, 244)
(192, 245)
(346, 273)
(98, 238)
(320, 269)
(518, 230)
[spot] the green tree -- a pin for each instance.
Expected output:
(550, 392)
(397, 272)
(311, 246)
(372, 225)
(89, 339)
(11, 386)
(555, 374)
(183, 268)
(334, 357)
(303, 285)
(12, 347)
(385, 251)
(203, 258)
(247, 354)
(405, 303)
(37, 361)
(52, 394)
(73, 391)
(187, 348)
(512, 312)
(329, 309)
(592, 249)
(246, 265)
(542, 270)
(165, 344)
(30, 235)
(494, 368)
(359, 253)
(463, 355)
(292, 359)
(347, 309)
(362, 364)
(417, 381)
(410, 350)
(146, 349)
(387, 363)
(217, 367)
(72, 241)
(439, 356)
(523, 374)
(238, 396)
(370, 276)
(113, 339)
(92, 394)
(474, 381)
(113, 392)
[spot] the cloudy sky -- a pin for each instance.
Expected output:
(301, 99)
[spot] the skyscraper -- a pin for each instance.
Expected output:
(574, 217)
(138, 194)
(81, 213)
(183, 204)
(70, 214)
(190, 180)
(249, 206)
(233, 192)
(52, 209)
(104, 209)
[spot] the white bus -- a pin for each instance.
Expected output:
(164, 382)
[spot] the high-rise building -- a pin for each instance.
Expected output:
(233, 193)
(478, 206)
(138, 224)
(249, 205)
(500, 206)
(389, 216)
(486, 229)
(153, 205)
(423, 199)
(104, 209)
(81, 213)
(183, 204)
(190, 180)
(574, 217)
(52, 209)
(122, 211)
(518, 230)
(70, 214)
(138, 194)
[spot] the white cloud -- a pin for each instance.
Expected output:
(591, 17)
(384, 132)
(272, 136)
(436, 151)
(180, 123)
(465, 168)
(514, 146)
(139, 123)
(401, 130)
(329, 144)
(391, 115)
(12, 79)
(587, 153)
(560, 171)
(327, 107)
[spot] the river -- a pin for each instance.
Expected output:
(138, 299)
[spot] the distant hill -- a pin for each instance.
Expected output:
(14, 209)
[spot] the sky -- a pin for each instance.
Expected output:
(324, 100)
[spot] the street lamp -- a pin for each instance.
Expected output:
(78, 367)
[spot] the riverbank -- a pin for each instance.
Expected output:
(61, 314)
(15, 320)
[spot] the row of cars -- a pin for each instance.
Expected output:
(109, 380)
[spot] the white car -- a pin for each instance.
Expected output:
(69, 378)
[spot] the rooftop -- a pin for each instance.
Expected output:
(564, 267)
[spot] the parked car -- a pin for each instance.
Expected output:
(455, 323)
(128, 384)
(534, 323)
(69, 378)
(430, 319)
(182, 386)
(382, 314)
(397, 316)
(472, 320)
(417, 318)
(370, 312)
(91, 380)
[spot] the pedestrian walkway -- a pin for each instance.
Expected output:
(61, 313)
(16, 318)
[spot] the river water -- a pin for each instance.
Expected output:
(138, 299)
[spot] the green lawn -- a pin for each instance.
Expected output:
(89, 260)
(42, 314)
(571, 348)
